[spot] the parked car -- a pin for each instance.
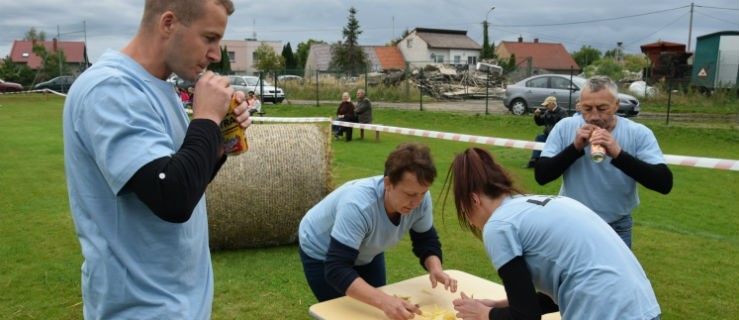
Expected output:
(251, 83)
(528, 94)
(289, 78)
(58, 84)
(10, 86)
(180, 83)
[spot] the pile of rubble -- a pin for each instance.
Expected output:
(445, 82)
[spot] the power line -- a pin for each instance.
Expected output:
(709, 7)
(591, 21)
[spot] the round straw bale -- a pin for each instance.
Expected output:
(258, 197)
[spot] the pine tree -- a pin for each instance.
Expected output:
(290, 62)
(348, 56)
(487, 48)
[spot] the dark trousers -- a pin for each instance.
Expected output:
(348, 131)
(537, 153)
(314, 269)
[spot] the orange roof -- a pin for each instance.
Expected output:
(22, 51)
(549, 56)
(390, 58)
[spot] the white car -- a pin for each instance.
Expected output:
(251, 83)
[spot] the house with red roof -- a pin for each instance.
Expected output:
(75, 51)
(423, 46)
(542, 57)
(380, 58)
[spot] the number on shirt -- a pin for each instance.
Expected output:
(541, 203)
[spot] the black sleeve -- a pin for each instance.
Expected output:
(657, 177)
(539, 120)
(426, 244)
(172, 186)
(523, 300)
(548, 169)
(339, 269)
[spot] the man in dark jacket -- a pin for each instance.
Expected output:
(551, 116)
(363, 110)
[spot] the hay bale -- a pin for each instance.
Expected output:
(259, 197)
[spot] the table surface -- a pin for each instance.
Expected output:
(420, 292)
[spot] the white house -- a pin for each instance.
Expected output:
(423, 46)
(243, 54)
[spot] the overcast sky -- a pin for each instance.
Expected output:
(574, 23)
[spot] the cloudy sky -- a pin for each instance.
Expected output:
(574, 23)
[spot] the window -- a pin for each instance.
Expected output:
(409, 43)
(472, 60)
(437, 58)
(254, 57)
(25, 54)
(560, 83)
(231, 56)
(537, 83)
(457, 59)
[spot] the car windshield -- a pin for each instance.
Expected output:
(254, 81)
(579, 82)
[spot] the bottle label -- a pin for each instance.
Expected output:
(234, 138)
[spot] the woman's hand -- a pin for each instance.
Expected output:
(471, 309)
(439, 276)
(399, 309)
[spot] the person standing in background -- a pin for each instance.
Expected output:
(137, 168)
(551, 115)
(632, 155)
(363, 110)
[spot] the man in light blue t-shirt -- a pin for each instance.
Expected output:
(632, 155)
(137, 167)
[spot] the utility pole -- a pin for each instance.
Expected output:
(690, 30)
(58, 48)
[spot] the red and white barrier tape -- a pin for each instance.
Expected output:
(688, 161)
(35, 91)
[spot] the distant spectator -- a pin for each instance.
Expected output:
(363, 110)
(185, 97)
(551, 116)
(253, 103)
(345, 112)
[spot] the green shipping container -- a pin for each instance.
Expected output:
(716, 60)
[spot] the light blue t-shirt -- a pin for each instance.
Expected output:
(117, 118)
(574, 257)
(601, 186)
(354, 214)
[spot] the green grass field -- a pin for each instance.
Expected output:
(687, 241)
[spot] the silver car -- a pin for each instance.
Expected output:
(528, 94)
(251, 83)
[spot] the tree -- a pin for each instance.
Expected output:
(348, 56)
(267, 59)
(15, 72)
(606, 67)
(510, 65)
(635, 62)
(395, 41)
(223, 66)
(291, 63)
(487, 48)
(301, 55)
(586, 56)
(33, 35)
